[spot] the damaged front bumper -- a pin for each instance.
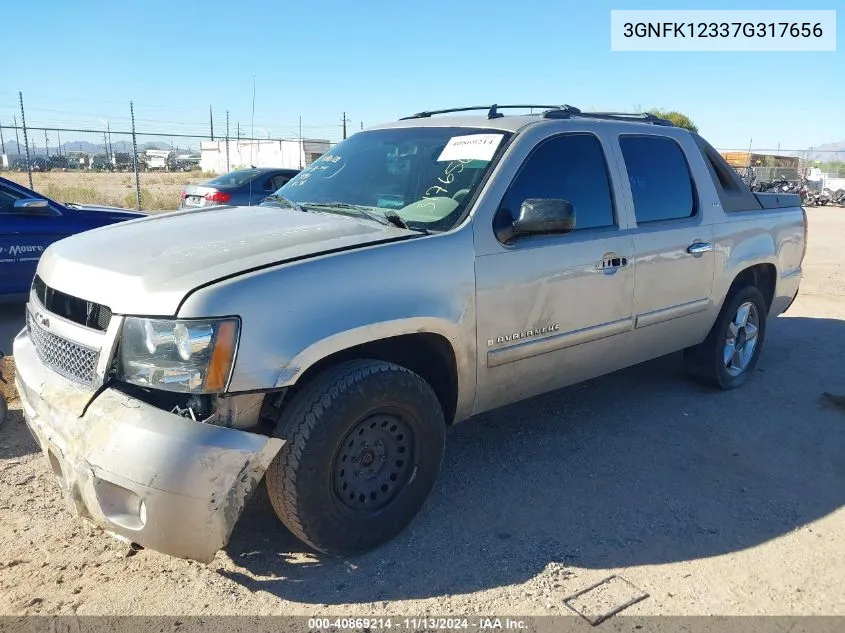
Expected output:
(145, 475)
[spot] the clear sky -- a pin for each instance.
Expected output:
(79, 63)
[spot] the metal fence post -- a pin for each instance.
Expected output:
(25, 141)
(227, 142)
(135, 156)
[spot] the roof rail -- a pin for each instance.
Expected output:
(493, 110)
(642, 117)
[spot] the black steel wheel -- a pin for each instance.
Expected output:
(374, 463)
(363, 445)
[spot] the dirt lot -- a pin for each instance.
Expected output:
(712, 503)
(159, 191)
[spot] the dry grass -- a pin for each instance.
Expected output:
(159, 191)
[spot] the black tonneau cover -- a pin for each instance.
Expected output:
(778, 200)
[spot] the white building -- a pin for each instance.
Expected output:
(293, 154)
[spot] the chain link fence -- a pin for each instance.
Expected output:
(136, 167)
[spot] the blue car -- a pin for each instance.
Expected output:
(242, 187)
(30, 222)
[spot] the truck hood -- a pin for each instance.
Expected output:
(147, 266)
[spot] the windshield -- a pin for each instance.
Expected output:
(425, 175)
(234, 178)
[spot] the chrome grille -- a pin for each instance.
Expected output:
(72, 360)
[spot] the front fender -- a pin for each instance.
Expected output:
(296, 314)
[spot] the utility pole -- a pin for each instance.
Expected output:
(17, 140)
(2, 142)
(239, 131)
(344, 120)
(59, 134)
(111, 149)
(362, 125)
(211, 122)
(106, 145)
(46, 143)
(227, 142)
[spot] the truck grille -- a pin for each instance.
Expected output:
(91, 315)
(72, 360)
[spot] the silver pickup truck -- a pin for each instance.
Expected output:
(417, 274)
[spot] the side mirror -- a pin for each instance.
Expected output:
(31, 203)
(544, 216)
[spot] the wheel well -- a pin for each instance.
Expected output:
(760, 276)
(426, 354)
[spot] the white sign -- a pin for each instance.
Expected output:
(471, 147)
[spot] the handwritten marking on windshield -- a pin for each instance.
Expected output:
(455, 166)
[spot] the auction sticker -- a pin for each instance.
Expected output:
(471, 147)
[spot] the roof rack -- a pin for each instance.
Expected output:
(642, 117)
(493, 110)
(551, 112)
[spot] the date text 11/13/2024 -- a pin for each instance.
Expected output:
(419, 623)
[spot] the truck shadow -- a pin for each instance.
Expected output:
(639, 467)
(12, 319)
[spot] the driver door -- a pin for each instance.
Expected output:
(555, 309)
(24, 235)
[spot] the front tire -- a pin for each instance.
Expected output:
(730, 352)
(364, 444)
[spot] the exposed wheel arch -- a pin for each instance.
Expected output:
(427, 354)
(760, 276)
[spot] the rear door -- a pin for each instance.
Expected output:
(673, 247)
(262, 186)
(24, 235)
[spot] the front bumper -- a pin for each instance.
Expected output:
(143, 474)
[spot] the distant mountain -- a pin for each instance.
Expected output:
(828, 152)
(13, 149)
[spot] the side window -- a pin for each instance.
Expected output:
(280, 181)
(570, 167)
(661, 184)
(268, 185)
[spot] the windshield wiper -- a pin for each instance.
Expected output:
(285, 202)
(388, 217)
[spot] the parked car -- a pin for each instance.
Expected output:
(243, 187)
(417, 274)
(30, 222)
(101, 162)
(36, 163)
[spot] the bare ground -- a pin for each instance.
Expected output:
(710, 502)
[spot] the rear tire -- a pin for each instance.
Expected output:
(364, 444)
(730, 352)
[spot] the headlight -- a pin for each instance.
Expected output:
(189, 356)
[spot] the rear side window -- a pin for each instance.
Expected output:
(234, 178)
(661, 184)
(570, 167)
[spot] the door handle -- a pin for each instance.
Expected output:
(698, 248)
(611, 263)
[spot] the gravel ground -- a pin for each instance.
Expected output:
(711, 503)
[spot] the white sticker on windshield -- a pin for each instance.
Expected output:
(471, 147)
